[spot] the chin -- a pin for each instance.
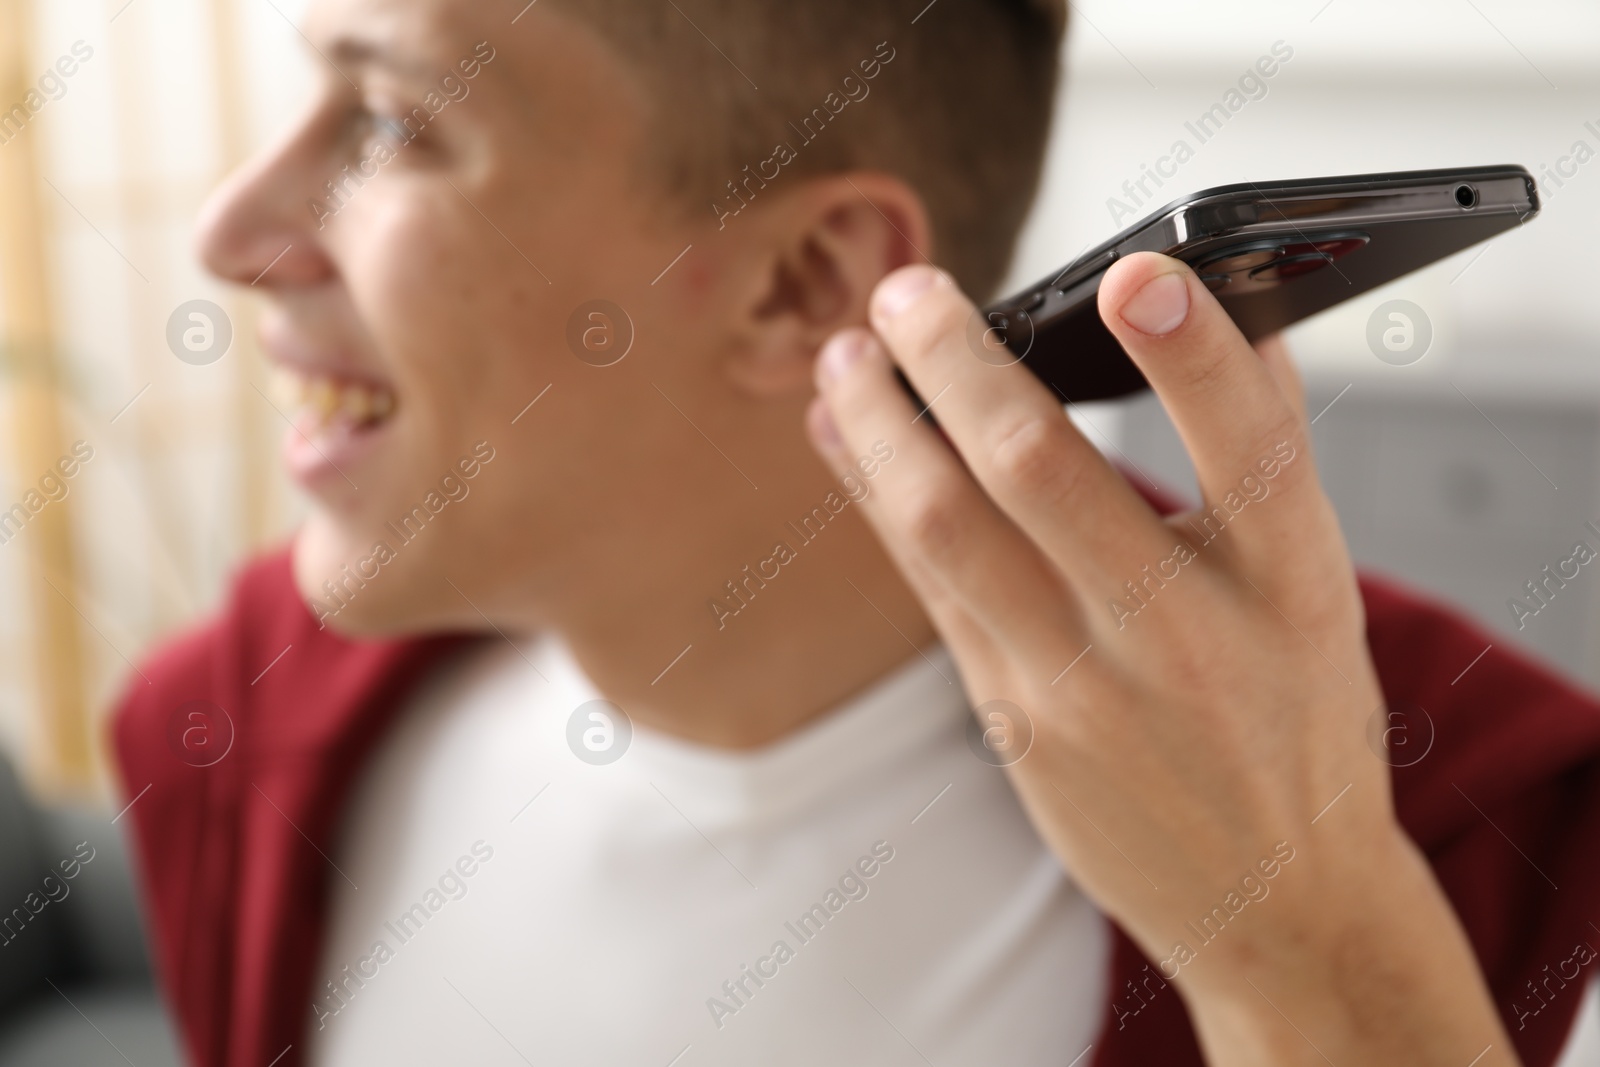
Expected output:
(352, 590)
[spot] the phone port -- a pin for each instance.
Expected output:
(1466, 196)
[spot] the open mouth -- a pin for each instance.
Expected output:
(318, 404)
(334, 423)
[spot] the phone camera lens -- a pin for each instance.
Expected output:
(1466, 196)
(1242, 257)
(1291, 267)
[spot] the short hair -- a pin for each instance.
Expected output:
(961, 111)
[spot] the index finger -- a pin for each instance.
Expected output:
(1016, 438)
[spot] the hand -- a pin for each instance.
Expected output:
(1198, 687)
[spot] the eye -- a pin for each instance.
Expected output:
(375, 127)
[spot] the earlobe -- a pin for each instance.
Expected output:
(774, 359)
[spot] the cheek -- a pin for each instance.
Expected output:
(443, 307)
(699, 280)
(406, 270)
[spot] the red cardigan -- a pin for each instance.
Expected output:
(1506, 806)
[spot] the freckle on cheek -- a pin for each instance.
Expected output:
(700, 278)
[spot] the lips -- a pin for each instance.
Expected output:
(337, 424)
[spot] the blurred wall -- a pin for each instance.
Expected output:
(1372, 86)
(110, 165)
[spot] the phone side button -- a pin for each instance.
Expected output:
(1099, 264)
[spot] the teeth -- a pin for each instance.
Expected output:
(356, 403)
(324, 398)
(328, 399)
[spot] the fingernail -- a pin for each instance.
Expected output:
(902, 289)
(1160, 307)
(841, 351)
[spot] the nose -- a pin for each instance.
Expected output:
(257, 228)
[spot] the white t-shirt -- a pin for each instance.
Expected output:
(865, 891)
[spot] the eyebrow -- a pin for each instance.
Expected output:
(359, 51)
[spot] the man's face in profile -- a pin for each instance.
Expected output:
(427, 235)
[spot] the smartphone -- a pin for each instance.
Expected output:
(1273, 253)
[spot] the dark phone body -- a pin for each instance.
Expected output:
(1273, 254)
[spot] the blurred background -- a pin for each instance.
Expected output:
(1465, 473)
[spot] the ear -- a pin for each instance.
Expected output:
(823, 251)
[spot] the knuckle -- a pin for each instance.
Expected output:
(1285, 428)
(1204, 371)
(1034, 458)
(935, 524)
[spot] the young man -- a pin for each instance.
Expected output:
(699, 780)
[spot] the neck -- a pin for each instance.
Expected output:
(789, 641)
